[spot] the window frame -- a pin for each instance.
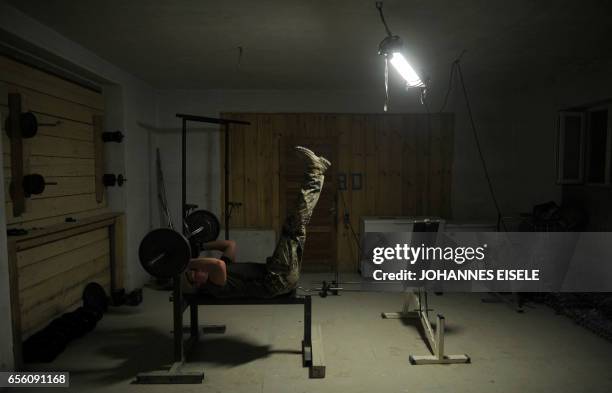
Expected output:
(561, 147)
(608, 153)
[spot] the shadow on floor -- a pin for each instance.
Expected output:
(136, 350)
(231, 351)
(145, 349)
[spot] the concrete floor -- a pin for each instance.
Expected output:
(537, 351)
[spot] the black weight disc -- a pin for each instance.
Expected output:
(88, 319)
(27, 122)
(164, 253)
(33, 184)
(94, 297)
(207, 221)
(29, 125)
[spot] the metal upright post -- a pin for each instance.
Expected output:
(227, 180)
(184, 175)
(177, 311)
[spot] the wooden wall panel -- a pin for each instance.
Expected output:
(62, 150)
(26, 76)
(50, 267)
(405, 161)
(52, 263)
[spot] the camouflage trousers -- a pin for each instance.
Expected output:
(285, 264)
(283, 267)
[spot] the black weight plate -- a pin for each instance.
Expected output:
(27, 122)
(164, 253)
(29, 125)
(94, 297)
(33, 184)
(87, 318)
(206, 220)
(66, 326)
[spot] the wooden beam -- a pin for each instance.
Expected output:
(17, 193)
(15, 305)
(98, 127)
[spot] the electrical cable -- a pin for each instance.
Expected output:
(455, 69)
(379, 6)
(478, 147)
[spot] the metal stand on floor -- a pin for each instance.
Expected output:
(415, 307)
(312, 346)
(176, 374)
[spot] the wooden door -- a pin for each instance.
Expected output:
(320, 249)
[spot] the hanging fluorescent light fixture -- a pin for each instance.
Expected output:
(391, 48)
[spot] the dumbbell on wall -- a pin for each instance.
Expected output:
(110, 180)
(28, 123)
(33, 184)
(116, 136)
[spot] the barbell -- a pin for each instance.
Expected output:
(165, 253)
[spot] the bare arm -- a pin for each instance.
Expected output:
(208, 269)
(227, 247)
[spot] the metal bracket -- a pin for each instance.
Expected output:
(413, 308)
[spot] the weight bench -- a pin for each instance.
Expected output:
(311, 357)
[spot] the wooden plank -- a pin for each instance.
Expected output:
(51, 146)
(15, 147)
(14, 289)
(265, 153)
(53, 207)
(41, 103)
(252, 182)
(17, 73)
(40, 316)
(394, 126)
(55, 166)
(65, 186)
(48, 250)
(62, 128)
(358, 166)
(35, 273)
(409, 166)
(53, 287)
(317, 368)
(237, 173)
(344, 245)
(49, 222)
(98, 146)
(371, 169)
(64, 230)
(385, 185)
(277, 125)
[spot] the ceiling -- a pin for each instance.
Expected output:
(331, 44)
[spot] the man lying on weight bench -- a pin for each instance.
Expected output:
(281, 272)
